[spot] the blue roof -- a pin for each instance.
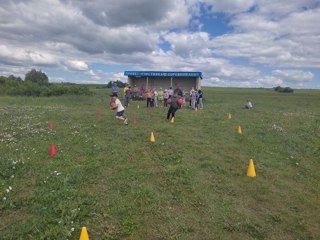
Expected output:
(162, 74)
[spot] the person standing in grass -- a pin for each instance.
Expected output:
(160, 97)
(193, 98)
(165, 97)
(200, 104)
(149, 98)
(127, 96)
(115, 89)
(117, 105)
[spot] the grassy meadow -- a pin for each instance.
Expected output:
(190, 183)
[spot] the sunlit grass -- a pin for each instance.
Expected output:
(190, 183)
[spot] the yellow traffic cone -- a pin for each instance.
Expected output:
(251, 171)
(138, 106)
(229, 116)
(152, 139)
(84, 234)
(239, 130)
(172, 120)
(196, 109)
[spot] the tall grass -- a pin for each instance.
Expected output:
(190, 183)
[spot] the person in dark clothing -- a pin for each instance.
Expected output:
(174, 106)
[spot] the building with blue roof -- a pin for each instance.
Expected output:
(164, 80)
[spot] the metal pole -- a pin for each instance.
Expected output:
(147, 83)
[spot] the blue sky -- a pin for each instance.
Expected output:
(234, 43)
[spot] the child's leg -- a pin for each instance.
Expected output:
(169, 112)
(173, 112)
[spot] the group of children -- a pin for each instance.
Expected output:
(162, 98)
(196, 99)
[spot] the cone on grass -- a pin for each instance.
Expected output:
(98, 113)
(239, 130)
(172, 120)
(134, 120)
(196, 109)
(51, 125)
(138, 106)
(251, 172)
(53, 151)
(152, 139)
(84, 234)
(229, 116)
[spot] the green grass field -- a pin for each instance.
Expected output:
(190, 183)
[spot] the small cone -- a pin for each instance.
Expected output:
(172, 120)
(53, 151)
(98, 113)
(229, 116)
(51, 125)
(196, 109)
(134, 120)
(239, 130)
(152, 139)
(251, 171)
(138, 106)
(84, 234)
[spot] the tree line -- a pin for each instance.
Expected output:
(36, 84)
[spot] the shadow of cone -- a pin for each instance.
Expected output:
(53, 151)
(152, 139)
(51, 125)
(239, 130)
(84, 234)
(251, 172)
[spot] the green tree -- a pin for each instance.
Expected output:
(37, 77)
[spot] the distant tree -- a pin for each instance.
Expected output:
(119, 84)
(283, 90)
(37, 77)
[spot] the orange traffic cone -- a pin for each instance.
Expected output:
(251, 172)
(98, 113)
(152, 139)
(53, 151)
(84, 234)
(51, 125)
(134, 120)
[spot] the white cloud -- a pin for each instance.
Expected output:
(77, 65)
(293, 76)
(230, 6)
(189, 44)
(269, 81)
(71, 36)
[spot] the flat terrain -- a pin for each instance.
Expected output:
(190, 183)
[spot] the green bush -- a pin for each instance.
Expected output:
(16, 87)
(283, 90)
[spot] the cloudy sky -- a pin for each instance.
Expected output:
(237, 43)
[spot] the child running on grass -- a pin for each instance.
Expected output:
(174, 104)
(116, 105)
